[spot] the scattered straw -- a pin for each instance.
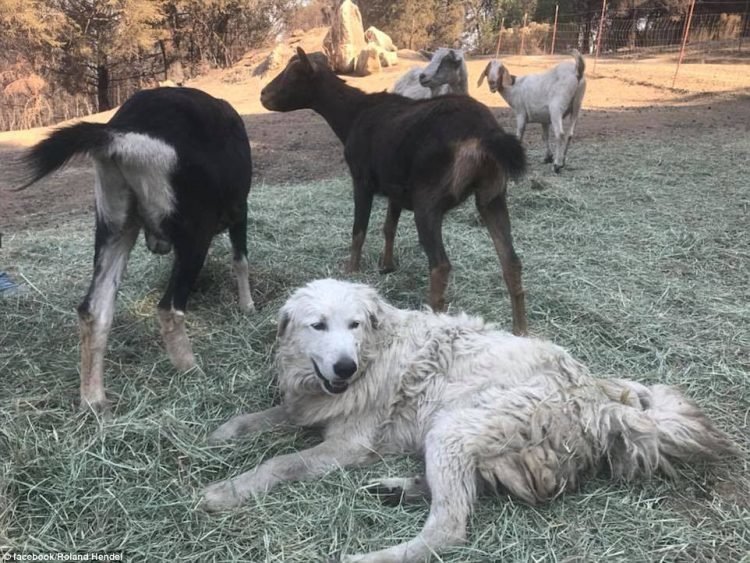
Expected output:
(636, 258)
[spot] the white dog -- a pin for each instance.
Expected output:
(482, 406)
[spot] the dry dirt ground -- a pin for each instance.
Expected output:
(624, 98)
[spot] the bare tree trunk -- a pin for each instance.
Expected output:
(102, 88)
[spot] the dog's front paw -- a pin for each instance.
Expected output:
(221, 496)
(365, 558)
(223, 433)
(389, 491)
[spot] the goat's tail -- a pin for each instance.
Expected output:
(55, 151)
(645, 429)
(508, 151)
(580, 63)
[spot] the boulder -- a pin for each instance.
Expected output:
(345, 40)
(368, 61)
(277, 58)
(387, 58)
(380, 38)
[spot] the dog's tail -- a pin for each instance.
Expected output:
(645, 429)
(580, 63)
(507, 151)
(55, 151)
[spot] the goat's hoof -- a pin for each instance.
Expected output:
(548, 159)
(557, 168)
(350, 268)
(183, 361)
(388, 268)
(100, 407)
(247, 307)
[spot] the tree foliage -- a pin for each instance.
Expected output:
(416, 24)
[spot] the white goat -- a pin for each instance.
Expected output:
(445, 74)
(545, 98)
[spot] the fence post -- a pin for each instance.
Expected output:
(684, 42)
(523, 34)
(599, 34)
(499, 37)
(554, 30)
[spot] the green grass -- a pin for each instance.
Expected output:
(637, 259)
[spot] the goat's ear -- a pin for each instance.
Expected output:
(506, 79)
(284, 319)
(427, 54)
(306, 64)
(485, 72)
(374, 322)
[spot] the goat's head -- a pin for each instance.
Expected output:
(444, 68)
(294, 88)
(497, 75)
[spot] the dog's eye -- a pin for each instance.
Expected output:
(354, 324)
(319, 325)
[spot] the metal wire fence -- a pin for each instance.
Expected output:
(632, 35)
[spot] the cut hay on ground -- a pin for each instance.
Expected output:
(641, 270)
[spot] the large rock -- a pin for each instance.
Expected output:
(368, 61)
(380, 38)
(277, 58)
(387, 58)
(346, 39)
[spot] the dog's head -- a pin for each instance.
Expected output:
(326, 325)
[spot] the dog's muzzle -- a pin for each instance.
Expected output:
(333, 387)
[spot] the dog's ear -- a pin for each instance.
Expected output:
(284, 319)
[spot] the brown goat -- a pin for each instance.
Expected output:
(427, 156)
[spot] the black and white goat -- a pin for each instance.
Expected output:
(427, 156)
(176, 163)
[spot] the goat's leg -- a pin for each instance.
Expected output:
(452, 484)
(238, 238)
(545, 136)
(520, 126)
(389, 232)
(362, 208)
(190, 253)
(112, 249)
(559, 133)
(117, 227)
(497, 220)
(569, 136)
(574, 113)
(430, 230)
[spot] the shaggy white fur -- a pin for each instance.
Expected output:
(484, 408)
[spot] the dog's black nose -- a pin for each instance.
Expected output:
(345, 368)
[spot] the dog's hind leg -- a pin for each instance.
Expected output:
(398, 490)
(451, 477)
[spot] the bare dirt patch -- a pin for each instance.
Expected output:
(631, 98)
